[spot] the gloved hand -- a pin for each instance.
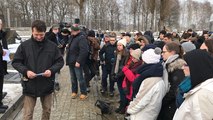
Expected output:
(125, 68)
(114, 77)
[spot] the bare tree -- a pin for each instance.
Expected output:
(151, 5)
(61, 9)
(164, 12)
(25, 10)
(81, 8)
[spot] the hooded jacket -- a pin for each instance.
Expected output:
(198, 101)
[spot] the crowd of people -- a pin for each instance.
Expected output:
(167, 78)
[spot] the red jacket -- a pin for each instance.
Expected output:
(129, 78)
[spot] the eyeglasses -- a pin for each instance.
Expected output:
(164, 51)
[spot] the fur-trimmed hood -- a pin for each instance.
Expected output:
(176, 64)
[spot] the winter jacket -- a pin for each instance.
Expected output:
(94, 46)
(145, 71)
(3, 39)
(3, 42)
(58, 39)
(53, 37)
(147, 103)
(122, 63)
(1, 61)
(172, 77)
(107, 55)
(38, 57)
(197, 104)
(129, 78)
(78, 50)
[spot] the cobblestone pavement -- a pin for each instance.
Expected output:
(65, 108)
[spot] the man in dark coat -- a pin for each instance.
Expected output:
(77, 53)
(3, 44)
(37, 59)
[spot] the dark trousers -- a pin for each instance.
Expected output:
(123, 99)
(1, 87)
(90, 70)
(4, 67)
(105, 74)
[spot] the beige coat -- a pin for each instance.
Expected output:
(198, 103)
(147, 104)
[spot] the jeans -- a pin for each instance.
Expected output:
(76, 75)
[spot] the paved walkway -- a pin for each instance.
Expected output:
(66, 108)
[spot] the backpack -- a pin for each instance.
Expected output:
(104, 107)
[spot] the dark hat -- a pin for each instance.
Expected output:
(91, 33)
(55, 26)
(65, 30)
(75, 27)
(128, 34)
(134, 46)
(149, 46)
(189, 30)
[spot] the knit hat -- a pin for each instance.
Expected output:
(123, 42)
(55, 26)
(91, 33)
(152, 56)
(188, 46)
(75, 27)
(136, 54)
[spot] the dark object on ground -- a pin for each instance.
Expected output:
(57, 87)
(104, 106)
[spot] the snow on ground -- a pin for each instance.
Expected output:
(13, 47)
(13, 91)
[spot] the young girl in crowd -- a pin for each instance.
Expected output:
(130, 73)
(121, 59)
